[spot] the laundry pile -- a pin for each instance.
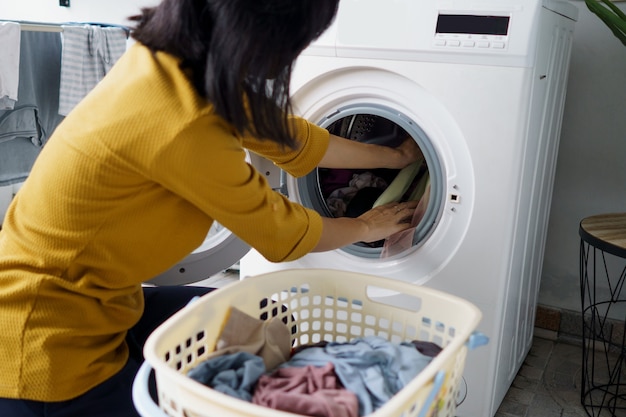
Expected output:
(254, 361)
(350, 193)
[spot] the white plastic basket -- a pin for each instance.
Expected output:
(320, 305)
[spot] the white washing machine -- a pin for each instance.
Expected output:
(480, 85)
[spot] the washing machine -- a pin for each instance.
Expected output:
(480, 86)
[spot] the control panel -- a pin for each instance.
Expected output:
(472, 31)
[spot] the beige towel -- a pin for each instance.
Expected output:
(269, 339)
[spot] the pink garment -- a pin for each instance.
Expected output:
(401, 241)
(308, 390)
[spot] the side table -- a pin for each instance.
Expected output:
(602, 278)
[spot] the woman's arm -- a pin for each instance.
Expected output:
(345, 153)
(375, 224)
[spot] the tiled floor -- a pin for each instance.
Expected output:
(547, 385)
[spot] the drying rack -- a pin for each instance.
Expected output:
(58, 27)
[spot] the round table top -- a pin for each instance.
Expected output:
(606, 232)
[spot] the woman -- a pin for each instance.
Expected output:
(132, 180)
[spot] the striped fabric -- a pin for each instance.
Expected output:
(89, 52)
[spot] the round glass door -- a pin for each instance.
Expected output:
(351, 192)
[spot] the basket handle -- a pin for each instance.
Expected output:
(141, 396)
(476, 340)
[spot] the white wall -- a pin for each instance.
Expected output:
(591, 170)
(100, 11)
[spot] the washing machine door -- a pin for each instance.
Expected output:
(374, 104)
(220, 250)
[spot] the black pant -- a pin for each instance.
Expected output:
(113, 397)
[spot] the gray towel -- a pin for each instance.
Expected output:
(89, 52)
(25, 129)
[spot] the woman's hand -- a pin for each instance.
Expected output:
(375, 224)
(385, 220)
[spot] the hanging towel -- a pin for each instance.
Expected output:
(25, 129)
(40, 76)
(10, 34)
(89, 52)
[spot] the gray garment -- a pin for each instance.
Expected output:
(233, 374)
(25, 129)
(20, 142)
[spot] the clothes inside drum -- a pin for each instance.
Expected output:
(352, 192)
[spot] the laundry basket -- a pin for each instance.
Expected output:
(317, 305)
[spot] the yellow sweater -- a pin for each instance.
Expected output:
(128, 184)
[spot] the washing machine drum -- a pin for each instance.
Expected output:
(368, 128)
(352, 192)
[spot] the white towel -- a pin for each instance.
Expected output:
(89, 52)
(10, 36)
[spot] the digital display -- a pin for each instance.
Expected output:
(472, 24)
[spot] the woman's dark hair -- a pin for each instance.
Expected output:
(239, 53)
